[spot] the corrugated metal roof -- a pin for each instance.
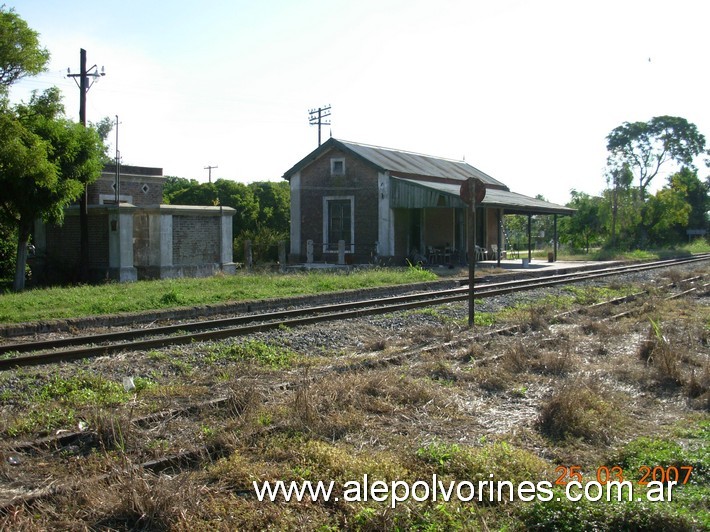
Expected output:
(415, 163)
(414, 193)
(402, 162)
(511, 202)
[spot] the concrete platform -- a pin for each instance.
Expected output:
(490, 271)
(321, 266)
(540, 264)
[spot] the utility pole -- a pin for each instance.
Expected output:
(472, 192)
(316, 117)
(209, 172)
(118, 167)
(84, 86)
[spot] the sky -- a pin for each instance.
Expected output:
(526, 91)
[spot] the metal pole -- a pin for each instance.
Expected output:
(84, 205)
(554, 242)
(471, 255)
(529, 237)
(500, 236)
(118, 170)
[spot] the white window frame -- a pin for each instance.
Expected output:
(333, 163)
(105, 199)
(326, 236)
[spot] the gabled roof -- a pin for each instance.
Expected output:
(424, 181)
(398, 162)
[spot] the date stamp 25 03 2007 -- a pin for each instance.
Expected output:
(605, 474)
(658, 482)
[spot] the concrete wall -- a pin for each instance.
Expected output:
(183, 241)
(129, 243)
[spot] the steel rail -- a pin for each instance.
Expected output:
(246, 325)
(482, 291)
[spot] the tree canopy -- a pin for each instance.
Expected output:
(45, 161)
(585, 227)
(20, 52)
(646, 146)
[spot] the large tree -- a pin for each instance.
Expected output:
(646, 146)
(585, 227)
(45, 162)
(20, 55)
(667, 217)
(619, 178)
(696, 193)
(26, 178)
(20, 52)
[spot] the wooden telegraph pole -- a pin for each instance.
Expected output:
(472, 192)
(86, 78)
(316, 117)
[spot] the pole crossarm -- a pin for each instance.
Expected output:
(316, 117)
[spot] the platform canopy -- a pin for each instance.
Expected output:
(419, 194)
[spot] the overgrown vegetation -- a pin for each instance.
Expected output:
(84, 300)
(57, 401)
(512, 409)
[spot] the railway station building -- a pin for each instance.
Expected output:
(396, 205)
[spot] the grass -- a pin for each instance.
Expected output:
(589, 295)
(689, 509)
(271, 356)
(513, 408)
(697, 246)
(59, 401)
(112, 298)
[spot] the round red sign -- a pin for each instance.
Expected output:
(469, 186)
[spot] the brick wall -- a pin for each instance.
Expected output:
(196, 240)
(360, 181)
(143, 190)
(63, 247)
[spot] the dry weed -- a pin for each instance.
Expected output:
(538, 318)
(474, 352)
(658, 352)
(516, 358)
(144, 501)
(698, 388)
(579, 410)
(555, 362)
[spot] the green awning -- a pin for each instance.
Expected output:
(415, 194)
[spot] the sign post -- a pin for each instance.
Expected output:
(472, 192)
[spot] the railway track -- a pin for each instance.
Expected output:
(204, 454)
(59, 350)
